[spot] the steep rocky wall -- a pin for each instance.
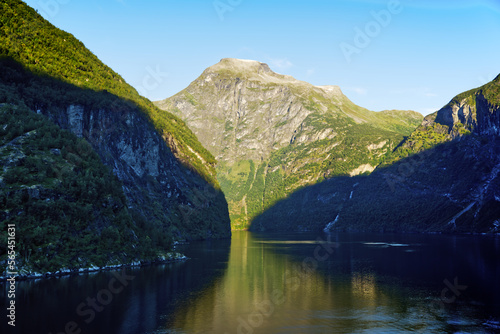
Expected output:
(456, 113)
(156, 184)
(248, 114)
(488, 119)
(475, 112)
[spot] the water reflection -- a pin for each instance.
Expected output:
(142, 306)
(262, 290)
(288, 283)
(390, 284)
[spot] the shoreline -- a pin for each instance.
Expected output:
(67, 272)
(180, 257)
(497, 234)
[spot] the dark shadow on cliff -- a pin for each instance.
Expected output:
(164, 191)
(451, 188)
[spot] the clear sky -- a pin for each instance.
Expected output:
(384, 54)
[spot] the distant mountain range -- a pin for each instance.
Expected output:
(273, 134)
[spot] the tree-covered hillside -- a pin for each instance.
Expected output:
(46, 50)
(68, 208)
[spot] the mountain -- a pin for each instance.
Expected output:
(273, 134)
(445, 177)
(167, 177)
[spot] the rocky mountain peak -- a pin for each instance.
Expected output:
(241, 65)
(331, 90)
(251, 70)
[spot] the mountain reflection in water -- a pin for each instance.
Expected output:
(288, 283)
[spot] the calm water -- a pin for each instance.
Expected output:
(283, 283)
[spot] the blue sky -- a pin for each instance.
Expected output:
(384, 54)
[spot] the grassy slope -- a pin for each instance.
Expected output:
(422, 193)
(299, 165)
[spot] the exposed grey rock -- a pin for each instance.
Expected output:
(249, 112)
(155, 182)
(475, 112)
(34, 192)
(75, 119)
(55, 151)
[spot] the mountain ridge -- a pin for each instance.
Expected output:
(60, 55)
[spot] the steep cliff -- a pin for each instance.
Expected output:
(168, 177)
(68, 210)
(274, 134)
(475, 111)
(445, 177)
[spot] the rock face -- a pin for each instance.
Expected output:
(237, 116)
(155, 182)
(447, 180)
(69, 210)
(488, 121)
(273, 134)
(476, 110)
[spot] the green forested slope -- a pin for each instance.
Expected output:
(68, 208)
(43, 49)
